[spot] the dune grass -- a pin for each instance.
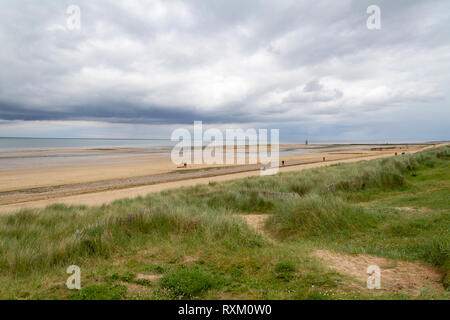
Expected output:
(196, 245)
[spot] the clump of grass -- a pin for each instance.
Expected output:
(320, 216)
(301, 187)
(187, 283)
(284, 271)
(100, 292)
(437, 251)
(155, 268)
(244, 201)
(388, 176)
(127, 277)
(284, 267)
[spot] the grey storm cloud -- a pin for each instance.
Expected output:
(221, 61)
(123, 112)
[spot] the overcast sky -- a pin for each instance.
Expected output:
(139, 69)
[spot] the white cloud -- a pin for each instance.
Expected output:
(229, 62)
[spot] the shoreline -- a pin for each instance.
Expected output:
(100, 192)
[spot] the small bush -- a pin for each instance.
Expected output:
(128, 277)
(438, 251)
(284, 267)
(187, 283)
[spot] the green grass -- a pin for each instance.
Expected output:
(194, 239)
(364, 217)
(100, 292)
(284, 267)
(188, 283)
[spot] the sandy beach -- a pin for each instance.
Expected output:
(98, 176)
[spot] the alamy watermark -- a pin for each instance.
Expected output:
(74, 281)
(374, 20)
(238, 146)
(374, 280)
(73, 21)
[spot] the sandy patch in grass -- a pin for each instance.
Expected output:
(396, 276)
(189, 259)
(256, 221)
(137, 290)
(149, 277)
(406, 208)
(420, 209)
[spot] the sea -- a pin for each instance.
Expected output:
(11, 144)
(28, 144)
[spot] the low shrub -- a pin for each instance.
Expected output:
(187, 283)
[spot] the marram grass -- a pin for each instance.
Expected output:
(195, 241)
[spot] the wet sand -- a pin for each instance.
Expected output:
(137, 173)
